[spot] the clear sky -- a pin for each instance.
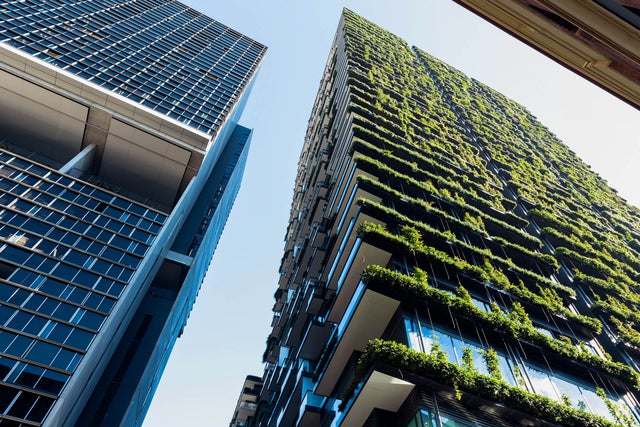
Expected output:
(225, 337)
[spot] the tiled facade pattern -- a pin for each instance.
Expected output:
(161, 54)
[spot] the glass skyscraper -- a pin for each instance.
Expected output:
(448, 261)
(120, 158)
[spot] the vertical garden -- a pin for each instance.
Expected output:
(496, 222)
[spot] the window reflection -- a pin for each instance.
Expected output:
(421, 336)
(423, 418)
(59, 239)
(450, 422)
(425, 337)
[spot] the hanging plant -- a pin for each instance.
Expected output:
(515, 324)
(464, 380)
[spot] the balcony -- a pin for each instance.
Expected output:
(315, 339)
(348, 218)
(378, 391)
(294, 393)
(244, 411)
(351, 265)
(310, 410)
(366, 318)
(315, 296)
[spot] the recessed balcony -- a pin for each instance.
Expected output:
(381, 391)
(315, 339)
(310, 410)
(361, 254)
(367, 316)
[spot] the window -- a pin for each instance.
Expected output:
(52, 381)
(537, 379)
(6, 270)
(59, 332)
(27, 375)
(422, 337)
(447, 421)
(22, 405)
(18, 346)
(40, 409)
(6, 365)
(423, 418)
(43, 352)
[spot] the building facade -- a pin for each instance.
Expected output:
(247, 402)
(448, 261)
(599, 40)
(120, 158)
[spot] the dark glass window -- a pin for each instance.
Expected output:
(115, 271)
(65, 272)
(52, 381)
(112, 254)
(64, 311)
(79, 339)
(6, 365)
(116, 289)
(43, 352)
(53, 287)
(22, 405)
(75, 257)
(35, 325)
(65, 360)
(77, 295)
(46, 247)
(19, 345)
(5, 314)
(6, 291)
(92, 320)
(101, 266)
(59, 333)
(7, 395)
(29, 375)
(48, 306)
(106, 305)
(19, 297)
(19, 320)
(13, 254)
(37, 227)
(36, 261)
(40, 409)
(125, 275)
(34, 302)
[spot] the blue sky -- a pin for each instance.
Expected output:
(225, 337)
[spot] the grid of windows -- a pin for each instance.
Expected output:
(162, 54)
(67, 250)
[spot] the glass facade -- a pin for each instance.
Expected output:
(423, 419)
(67, 251)
(161, 54)
(97, 281)
(515, 369)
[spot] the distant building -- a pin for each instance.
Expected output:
(448, 261)
(600, 40)
(120, 158)
(247, 402)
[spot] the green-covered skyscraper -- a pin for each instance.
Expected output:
(448, 261)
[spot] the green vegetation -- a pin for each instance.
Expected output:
(514, 324)
(473, 189)
(466, 379)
